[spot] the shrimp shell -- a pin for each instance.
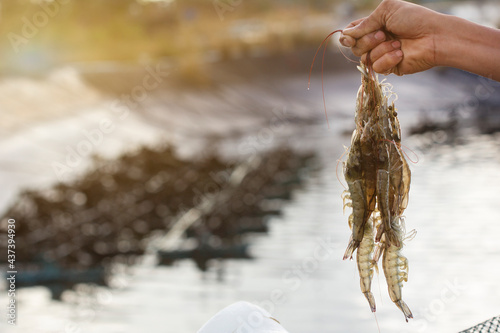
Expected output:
(395, 267)
(378, 179)
(364, 259)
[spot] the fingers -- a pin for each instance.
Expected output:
(368, 42)
(386, 57)
(388, 62)
(366, 25)
(380, 50)
(364, 34)
(365, 42)
(346, 40)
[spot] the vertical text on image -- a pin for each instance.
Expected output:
(11, 272)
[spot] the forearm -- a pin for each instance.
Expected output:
(468, 46)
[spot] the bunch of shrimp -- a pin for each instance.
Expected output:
(378, 180)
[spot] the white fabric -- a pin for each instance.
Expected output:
(242, 317)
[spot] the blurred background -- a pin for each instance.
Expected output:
(163, 159)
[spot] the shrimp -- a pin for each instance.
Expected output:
(373, 118)
(390, 172)
(400, 171)
(395, 267)
(360, 168)
(364, 259)
(397, 176)
(383, 193)
(378, 179)
(353, 172)
(371, 97)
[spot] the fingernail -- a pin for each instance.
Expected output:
(399, 53)
(380, 35)
(396, 44)
(346, 42)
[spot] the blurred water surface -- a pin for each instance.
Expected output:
(453, 263)
(297, 272)
(453, 259)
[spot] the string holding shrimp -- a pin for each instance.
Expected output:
(378, 181)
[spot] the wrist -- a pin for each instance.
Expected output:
(468, 46)
(446, 41)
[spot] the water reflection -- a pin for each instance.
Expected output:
(100, 228)
(451, 206)
(78, 229)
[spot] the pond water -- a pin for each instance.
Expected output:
(297, 272)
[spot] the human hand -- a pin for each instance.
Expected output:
(399, 36)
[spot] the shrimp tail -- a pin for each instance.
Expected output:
(371, 300)
(406, 310)
(353, 245)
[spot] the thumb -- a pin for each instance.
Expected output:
(366, 26)
(374, 22)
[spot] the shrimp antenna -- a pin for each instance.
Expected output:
(376, 320)
(369, 65)
(345, 56)
(415, 154)
(324, 42)
(380, 292)
(316, 54)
